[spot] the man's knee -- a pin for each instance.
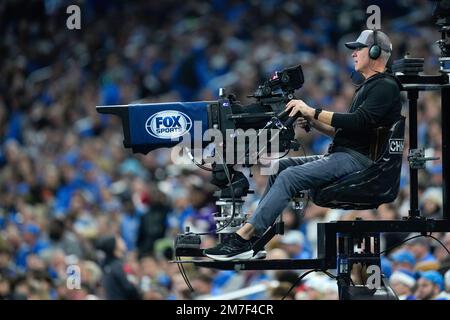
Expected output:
(283, 164)
(285, 177)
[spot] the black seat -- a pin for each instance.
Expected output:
(368, 188)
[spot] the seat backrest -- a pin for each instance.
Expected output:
(394, 143)
(370, 187)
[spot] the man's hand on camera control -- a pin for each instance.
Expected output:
(322, 127)
(307, 112)
(300, 106)
(322, 123)
(302, 122)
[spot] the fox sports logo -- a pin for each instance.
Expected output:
(168, 124)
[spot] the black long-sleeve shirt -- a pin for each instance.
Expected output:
(377, 103)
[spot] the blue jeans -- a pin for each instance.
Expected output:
(298, 174)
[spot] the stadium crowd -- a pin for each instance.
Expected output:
(72, 195)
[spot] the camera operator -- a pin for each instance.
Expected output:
(376, 103)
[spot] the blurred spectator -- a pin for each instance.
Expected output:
(154, 275)
(420, 248)
(202, 284)
(152, 225)
(403, 283)
(281, 291)
(293, 243)
(427, 265)
(118, 279)
(5, 288)
(33, 244)
(440, 253)
(61, 238)
(432, 203)
(403, 259)
(7, 267)
(156, 293)
(429, 286)
(447, 284)
(318, 287)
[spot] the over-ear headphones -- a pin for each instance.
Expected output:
(375, 49)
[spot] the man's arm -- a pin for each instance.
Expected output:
(319, 126)
(369, 113)
(324, 128)
(323, 122)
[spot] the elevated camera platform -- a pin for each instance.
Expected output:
(328, 245)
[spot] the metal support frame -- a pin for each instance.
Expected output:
(413, 84)
(414, 212)
(445, 118)
(361, 248)
(327, 254)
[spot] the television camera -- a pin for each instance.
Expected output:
(240, 134)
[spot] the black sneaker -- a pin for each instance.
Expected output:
(235, 248)
(260, 254)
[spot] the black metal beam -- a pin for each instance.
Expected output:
(327, 244)
(445, 120)
(327, 232)
(189, 252)
(423, 80)
(278, 264)
(417, 83)
(414, 212)
(363, 226)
